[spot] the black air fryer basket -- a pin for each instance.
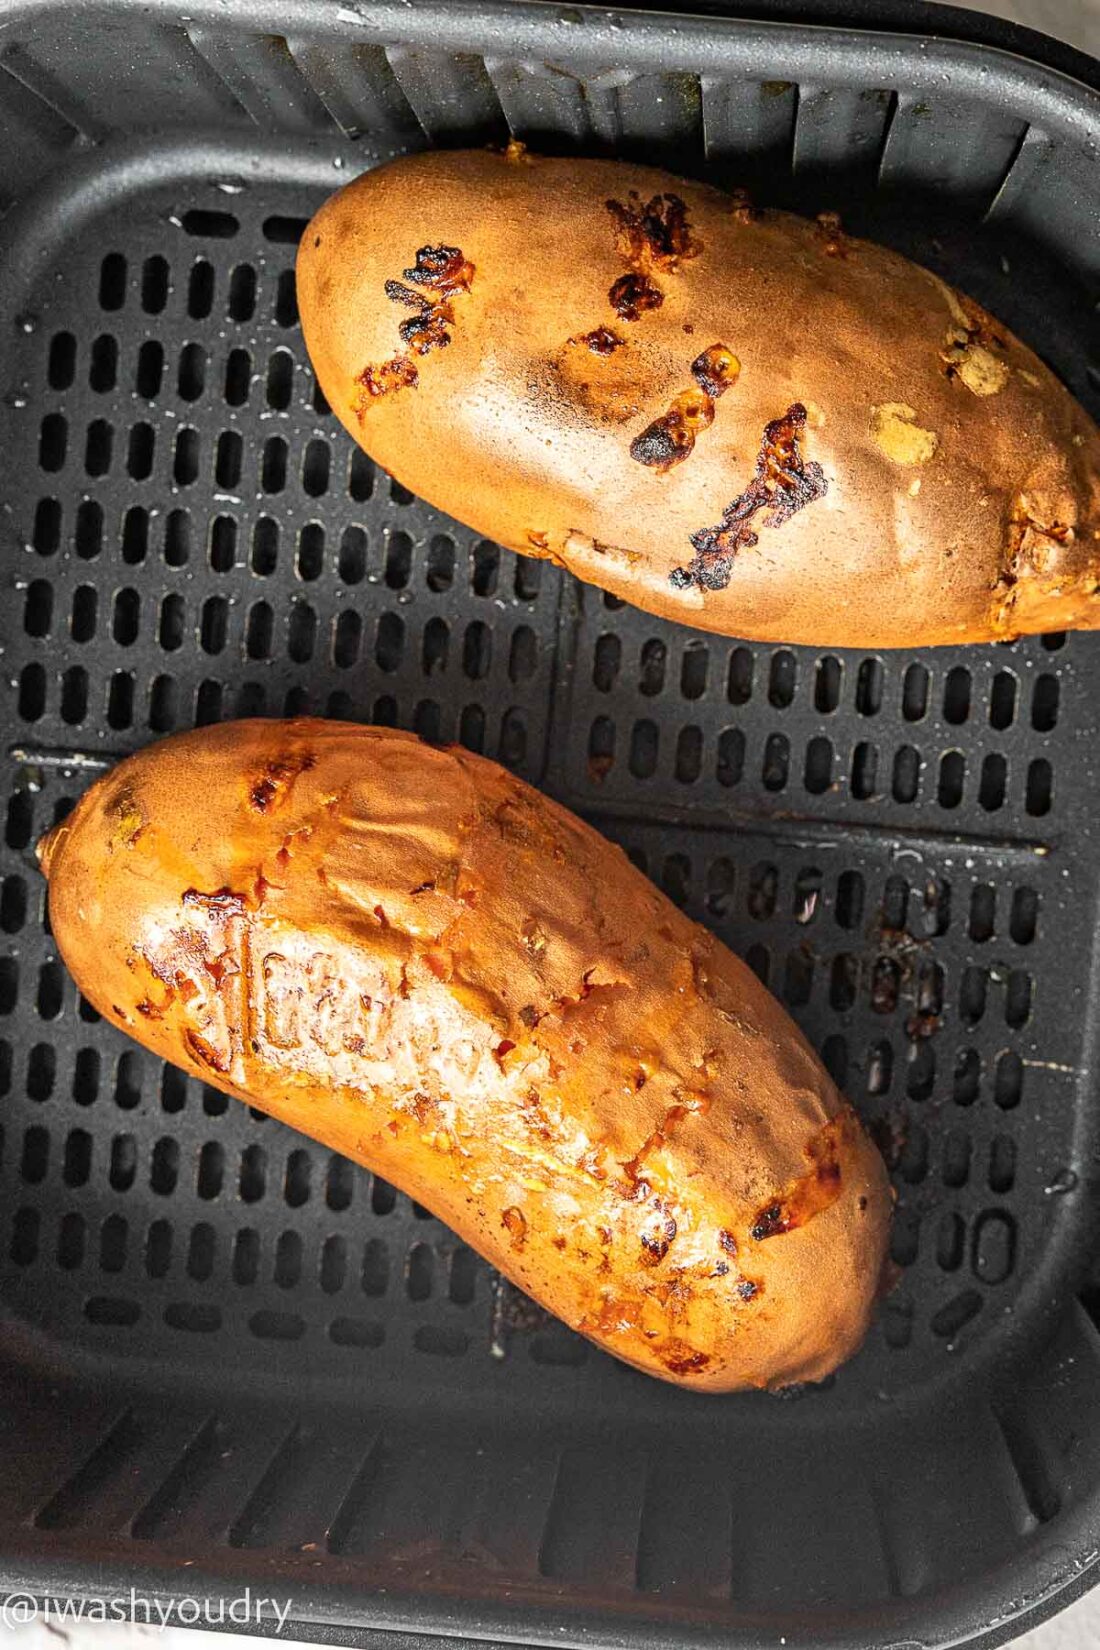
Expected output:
(229, 1358)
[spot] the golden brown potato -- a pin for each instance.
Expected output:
(415, 958)
(735, 418)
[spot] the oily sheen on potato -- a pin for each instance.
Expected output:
(737, 418)
(416, 959)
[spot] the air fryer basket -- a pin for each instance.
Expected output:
(227, 1356)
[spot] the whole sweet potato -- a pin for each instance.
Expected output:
(740, 419)
(416, 959)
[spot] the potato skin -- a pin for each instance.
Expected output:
(958, 496)
(413, 957)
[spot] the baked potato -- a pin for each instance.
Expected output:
(737, 418)
(413, 957)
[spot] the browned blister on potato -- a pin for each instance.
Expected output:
(413, 957)
(737, 418)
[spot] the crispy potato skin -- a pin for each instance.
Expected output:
(413, 957)
(961, 496)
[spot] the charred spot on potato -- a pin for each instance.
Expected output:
(269, 788)
(398, 293)
(262, 794)
(716, 369)
(204, 1052)
(656, 1243)
(741, 208)
(442, 268)
(632, 295)
(440, 272)
(679, 1360)
(1031, 545)
(655, 234)
(768, 1222)
(427, 330)
(783, 483)
(663, 443)
(396, 374)
(811, 1194)
(515, 1224)
(601, 341)
(670, 438)
(830, 236)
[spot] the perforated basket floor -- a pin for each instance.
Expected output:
(266, 1354)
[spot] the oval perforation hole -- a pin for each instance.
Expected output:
(301, 633)
(241, 302)
(1008, 1083)
(776, 765)
(288, 1260)
(238, 377)
(150, 369)
(53, 439)
(967, 1076)
(360, 476)
(693, 670)
(818, 772)
(201, 1251)
(223, 544)
(781, 679)
(103, 364)
(676, 878)
(273, 466)
(228, 458)
(869, 687)
(528, 578)
(864, 771)
(730, 765)
(71, 1241)
(98, 447)
(956, 695)
(952, 777)
(334, 1264)
(61, 362)
(154, 284)
(200, 290)
(1024, 916)
(209, 225)
(191, 378)
(983, 911)
(1002, 700)
(1038, 791)
(46, 531)
(644, 747)
(352, 557)
(112, 281)
(399, 548)
(135, 532)
(739, 679)
(88, 536)
(286, 300)
(906, 777)
(260, 631)
(991, 788)
(316, 467)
